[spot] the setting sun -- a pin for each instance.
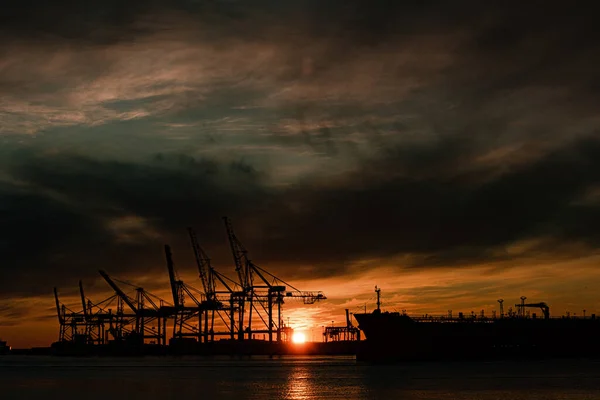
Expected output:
(298, 337)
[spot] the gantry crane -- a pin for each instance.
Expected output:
(270, 291)
(205, 269)
(88, 326)
(242, 268)
(185, 315)
(209, 277)
(94, 322)
(143, 315)
(72, 324)
(342, 333)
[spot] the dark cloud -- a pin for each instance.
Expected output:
(503, 25)
(442, 132)
(60, 226)
(67, 221)
(65, 19)
(448, 219)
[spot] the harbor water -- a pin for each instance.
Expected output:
(29, 377)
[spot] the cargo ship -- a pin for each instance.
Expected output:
(394, 336)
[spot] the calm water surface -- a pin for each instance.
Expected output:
(292, 378)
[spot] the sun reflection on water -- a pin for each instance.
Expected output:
(300, 385)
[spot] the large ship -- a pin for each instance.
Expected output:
(394, 336)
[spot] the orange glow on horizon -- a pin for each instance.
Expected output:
(298, 338)
(564, 284)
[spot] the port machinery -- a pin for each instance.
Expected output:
(227, 308)
(342, 333)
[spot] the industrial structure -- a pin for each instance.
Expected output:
(342, 333)
(225, 308)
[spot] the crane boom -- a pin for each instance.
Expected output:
(307, 297)
(221, 278)
(172, 279)
(240, 256)
(82, 299)
(119, 292)
(205, 269)
(58, 313)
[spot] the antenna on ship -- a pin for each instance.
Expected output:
(378, 291)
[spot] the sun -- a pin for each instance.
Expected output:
(298, 337)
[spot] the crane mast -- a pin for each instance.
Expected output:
(85, 312)
(242, 268)
(58, 310)
(205, 269)
(175, 284)
(119, 292)
(240, 256)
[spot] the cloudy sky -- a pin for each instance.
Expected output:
(447, 152)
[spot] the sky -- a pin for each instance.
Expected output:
(447, 152)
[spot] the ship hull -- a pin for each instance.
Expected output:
(395, 337)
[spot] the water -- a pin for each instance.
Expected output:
(292, 378)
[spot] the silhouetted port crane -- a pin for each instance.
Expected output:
(230, 312)
(89, 325)
(261, 297)
(205, 269)
(246, 299)
(342, 333)
(242, 268)
(72, 324)
(188, 319)
(99, 315)
(94, 321)
(143, 315)
(209, 277)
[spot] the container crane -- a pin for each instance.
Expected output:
(94, 323)
(276, 290)
(70, 323)
(89, 325)
(240, 257)
(126, 299)
(142, 314)
(233, 297)
(242, 268)
(209, 278)
(60, 312)
(184, 315)
(342, 333)
(205, 269)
